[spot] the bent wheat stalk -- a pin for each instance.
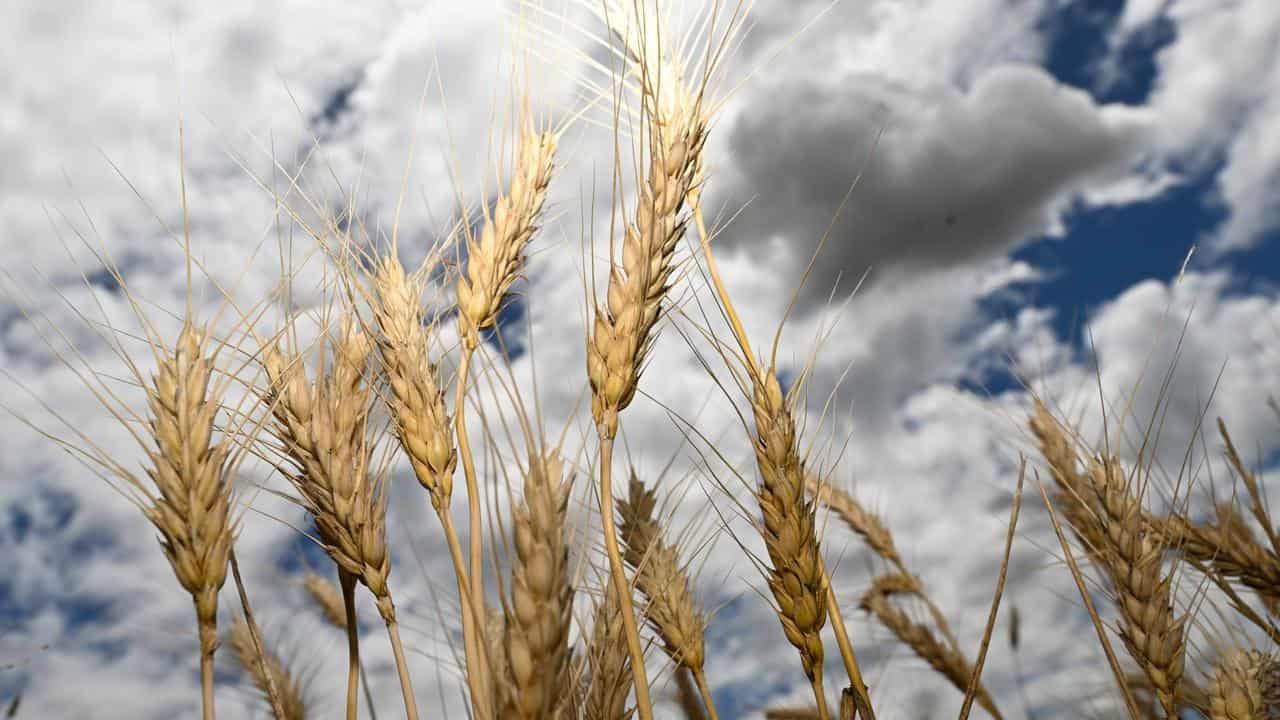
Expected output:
(268, 674)
(322, 429)
(421, 423)
(495, 261)
(664, 582)
(192, 509)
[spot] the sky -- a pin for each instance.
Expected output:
(1065, 200)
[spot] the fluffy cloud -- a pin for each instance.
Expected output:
(980, 148)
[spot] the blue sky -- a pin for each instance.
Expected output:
(1034, 176)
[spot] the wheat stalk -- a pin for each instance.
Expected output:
(623, 332)
(494, 262)
(192, 509)
(610, 680)
(538, 623)
(322, 428)
(664, 581)
(425, 432)
(945, 659)
(267, 672)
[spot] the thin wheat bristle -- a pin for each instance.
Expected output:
(796, 576)
(1246, 686)
(193, 508)
(494, 259)
(609, 663)
(327, 597)
(322, 426)
(1134, 560)
(537, 625)
(292, 700)
(662, 579)
(421, 418)
(944, 659)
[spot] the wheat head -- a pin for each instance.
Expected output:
(495, 258)
(1246, 686)
(292, 700)
(661, 577)
(536, 628)
(416, 401)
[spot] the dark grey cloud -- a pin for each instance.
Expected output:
(955, 177)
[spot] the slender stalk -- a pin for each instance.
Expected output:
(700, 677)
(475, 650)
(368, 695)
(402, 668)
(863, 697)
(273, 692)
(644, 706)
(348, 583)
(208, 643)
(820, 697)
(476, 664)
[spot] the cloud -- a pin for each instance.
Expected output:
(980, 149)
(1213, 106)
(956, 177)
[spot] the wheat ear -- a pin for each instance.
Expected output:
(610, 680)
(664, 581)
(1133, 558)
(192, 509)
(268, 672)
(495, 261)
(1246, 686)
(322, 428)
(537, 625)
(425, 432)
(942, 657)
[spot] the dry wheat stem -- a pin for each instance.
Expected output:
(192, 509)
(494, 262)
(621, 586)
(268, 673)
(425, 432)
(944, 659)
(348, 583)
(538, 623)
(664, 582)
(328, 599)
(478, 670)
(1246, 686)
(322, 427)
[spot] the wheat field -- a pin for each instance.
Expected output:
(550, 562)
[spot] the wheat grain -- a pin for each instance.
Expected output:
(327, 598)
